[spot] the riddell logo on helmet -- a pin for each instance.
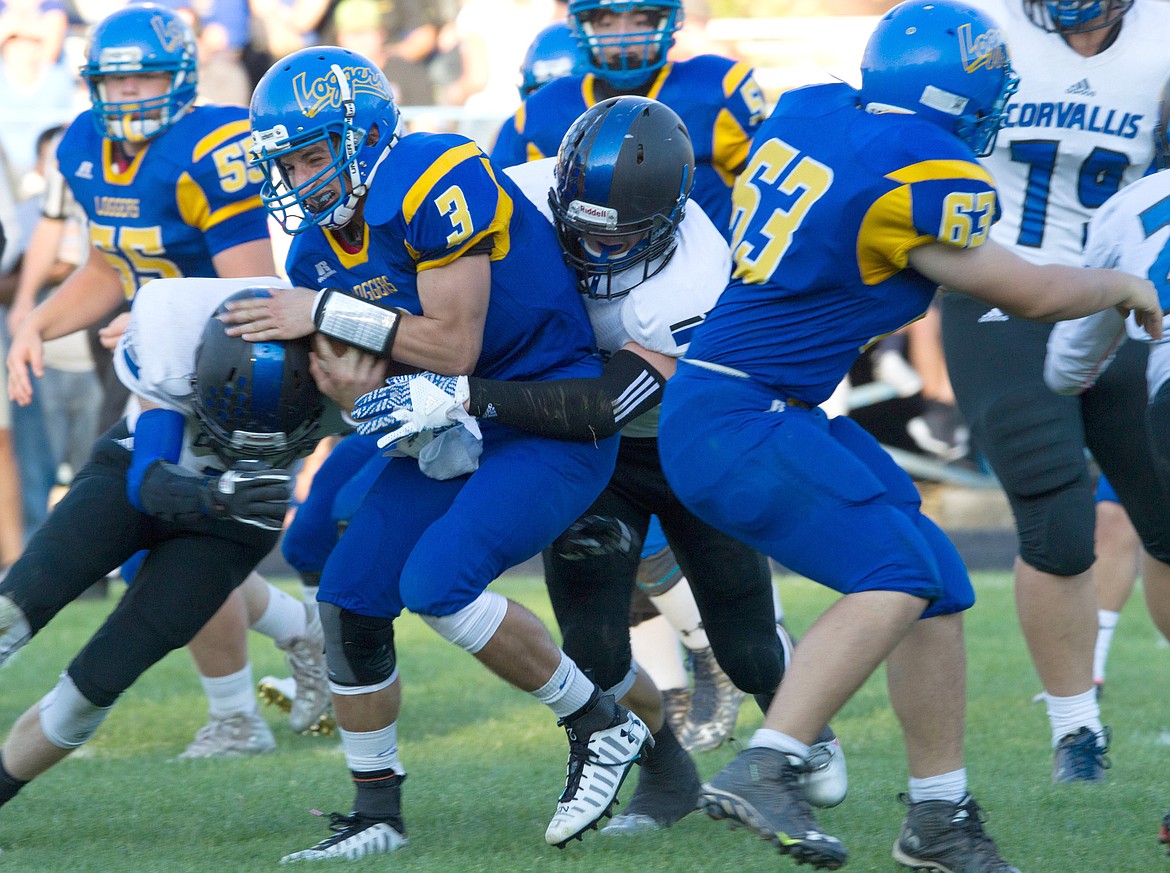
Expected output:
(323, 92)
(592, 213)
(985, 50)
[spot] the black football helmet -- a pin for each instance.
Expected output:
(623, 175)
(254, 401)
(1076, 16)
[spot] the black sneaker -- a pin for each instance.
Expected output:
(947, 837)
(1080, 757)
(760, 789)
(354, 836)
(604, 743)
(668, 789)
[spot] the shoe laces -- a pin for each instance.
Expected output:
(1087, 753)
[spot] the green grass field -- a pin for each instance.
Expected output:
(486, 765)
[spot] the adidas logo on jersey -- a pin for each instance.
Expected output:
(992, 315)
(1082, 87)
(324, 271)
(85, 171)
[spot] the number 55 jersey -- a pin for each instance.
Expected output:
(1078, 129)
(165, 213)
(824, 217)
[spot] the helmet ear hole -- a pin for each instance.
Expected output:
(254, 401)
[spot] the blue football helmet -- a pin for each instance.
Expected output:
(623, 175)
(553, 54)
(141, 38)
(1076, 16)
(254, 401)
(642, 51)
(329, 95)
(944, 61)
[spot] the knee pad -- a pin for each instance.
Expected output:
(658, 573)
(751, 653)
(14, 629)
(472, 626)
(1028, 437)
(1158, 428)
(67, 718)
(1056, 530)
(359, 649)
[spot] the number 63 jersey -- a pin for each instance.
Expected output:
(824, 217)
(1078, 129)
(187, 196)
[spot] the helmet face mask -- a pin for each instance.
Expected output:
(625, 57)
(330, 97)
(1076, 16)
(944, 61)
(623, 175)
(254, 401)
(140, 40)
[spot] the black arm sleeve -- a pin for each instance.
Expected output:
(573, 409)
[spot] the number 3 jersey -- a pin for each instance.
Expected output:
(187, 196)
(434, 198)
(825, 215)
(1078, 128)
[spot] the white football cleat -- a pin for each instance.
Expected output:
(824, 779)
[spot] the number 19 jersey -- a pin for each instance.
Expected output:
(1078, 129)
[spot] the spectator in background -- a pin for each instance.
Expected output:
(221, 32)
(11, 526)
(34, 459)
(399, 37)
(35, 90)
(693, 39)
(46, 17)
(72, 392)
(493, 38)
(280, 27)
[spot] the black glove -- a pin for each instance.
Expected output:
(594, 535)
(250, 492)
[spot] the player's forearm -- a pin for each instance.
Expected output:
(81, 300)
(36, 269)
(572, 409)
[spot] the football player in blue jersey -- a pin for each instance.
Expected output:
(194, 474)
(167, 192)
(1080, 128)
(419, 251)
(854, 207)
(625, 47)
(650, 265)
(554, 53)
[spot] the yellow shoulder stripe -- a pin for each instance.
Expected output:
(926, 171)
(734, 78)
(420, 189)
(499, 230)
(887, 236)
(218, 137)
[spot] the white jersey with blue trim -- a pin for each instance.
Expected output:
(661, 313)
(1131, 233)
(155, 356)
(1078, 129)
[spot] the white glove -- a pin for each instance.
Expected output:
(407, 405)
